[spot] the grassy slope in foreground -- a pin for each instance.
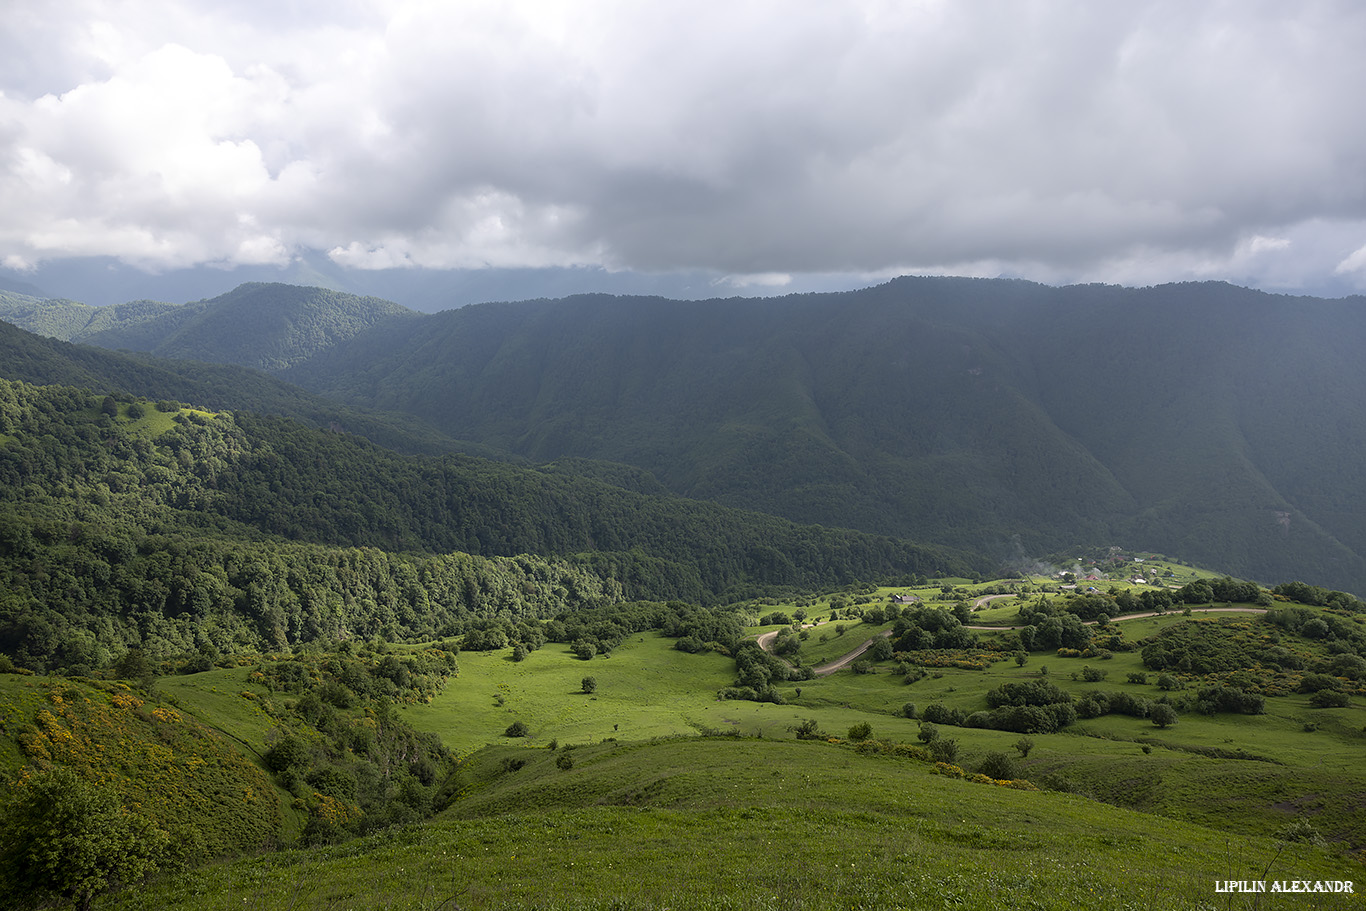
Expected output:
(710, 823)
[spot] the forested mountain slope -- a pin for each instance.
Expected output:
(72, 321)
(29, 358)
(123, 522)
(1205, 420)
(261, 325)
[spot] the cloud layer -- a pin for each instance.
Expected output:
(1063, 141)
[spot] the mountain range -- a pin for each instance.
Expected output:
(1201, 420)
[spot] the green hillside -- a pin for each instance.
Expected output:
(252, 656)
(124, 522)
(589, 782)
(1010, 417)
(259, 325)
(266, 326)
(73, 321)
(720, 824)
(28, 358)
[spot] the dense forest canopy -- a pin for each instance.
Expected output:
(126, 522)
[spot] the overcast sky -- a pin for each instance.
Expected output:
(1134, 142)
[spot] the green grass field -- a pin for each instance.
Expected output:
(652, 792)
(721, 823)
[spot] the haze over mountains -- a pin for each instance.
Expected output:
(1206, 421)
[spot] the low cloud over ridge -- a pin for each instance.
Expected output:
(1061, 141)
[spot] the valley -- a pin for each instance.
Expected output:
(606, 788)
(879, 599)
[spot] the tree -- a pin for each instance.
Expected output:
(944, 749)
(585, 650)
(590, 685)
(288, 753)
(1000, 766)
(860, 732)
(134, 665)
(1024, 745)
(1330, 699)
(60, 837)
(1163, 715)
(881, 649)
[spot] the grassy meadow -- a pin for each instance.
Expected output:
(721, 823)
(651, 792)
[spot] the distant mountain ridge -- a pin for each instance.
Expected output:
(1200, 419)
(263, 326)
(73, 321)
(1206, 420)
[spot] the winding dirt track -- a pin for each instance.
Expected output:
(765, 640)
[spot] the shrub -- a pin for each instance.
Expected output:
(908, 710)
(1092, 674)
(1302, 831)
(1024, 745)
(1330, 699)
(1027, 692)
(1168, 682)
(1000, 766)
(590, 684)
(64, 838)
(944, 749)
(517, 729)
(1163, 715)
(938, 713)
(1313, 683)
(1213, 699)
(860, 732)
(289, 753)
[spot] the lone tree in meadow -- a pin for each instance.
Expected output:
(1163, 715)
(590, 685)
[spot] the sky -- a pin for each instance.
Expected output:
(769, 145)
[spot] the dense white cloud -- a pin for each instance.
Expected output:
(1062, 141)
